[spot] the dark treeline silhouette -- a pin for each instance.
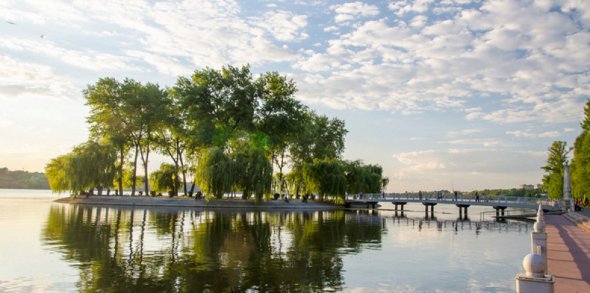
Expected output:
(22, 179)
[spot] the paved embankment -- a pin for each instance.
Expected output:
(142, 201)
(568, 253)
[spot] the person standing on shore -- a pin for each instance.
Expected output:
(455, 195)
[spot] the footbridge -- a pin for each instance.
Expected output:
(463, 202)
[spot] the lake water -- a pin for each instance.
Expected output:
(49, 247)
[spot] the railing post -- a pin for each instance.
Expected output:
(535, 279)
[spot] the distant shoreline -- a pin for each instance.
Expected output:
(143, 201)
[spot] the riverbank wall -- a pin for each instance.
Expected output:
(138, 201)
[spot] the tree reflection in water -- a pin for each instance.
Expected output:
(139, 250)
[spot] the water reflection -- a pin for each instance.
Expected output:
(141, 250)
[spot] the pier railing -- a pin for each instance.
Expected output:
(483, 199)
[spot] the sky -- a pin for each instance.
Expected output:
(451, 94)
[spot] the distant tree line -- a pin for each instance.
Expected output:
(519, 192)
(223, 130)
(22, 179)
(579, 167)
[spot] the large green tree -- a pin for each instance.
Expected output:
(327, 178)
(165, 179)
(581, 161)
(253, 172)
(149, 118)
(280, 118)
(87, 167)
(215, 172)
(110, 119)
(363, 178)
(320, 138)
(553, 178)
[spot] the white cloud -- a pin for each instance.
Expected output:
(568, 129)
(25, 79)
(549, 134)
(163, 64)
(284, 26)
(87, 59)
(353, 10)
(465, 168)
(485, 142)
(520, 133)
(405, 6)
(462, 132)
(499, 50)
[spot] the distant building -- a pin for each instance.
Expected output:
(528, 187)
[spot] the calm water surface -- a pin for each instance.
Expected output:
(48, 247)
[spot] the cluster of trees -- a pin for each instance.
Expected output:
(580, 165)
(223, 129)
(22, 179)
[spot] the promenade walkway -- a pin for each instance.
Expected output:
(568, 253)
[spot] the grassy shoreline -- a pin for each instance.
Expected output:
(138, 201)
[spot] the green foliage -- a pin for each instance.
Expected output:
(363, 178)
(581, 162)
(320, 138)
(22, 179)
(217, 103)
(327, 178)
(253, 172)
(165, 179)
(57, 171)
(215, 173)
(553, 178)
(88, 166)
(225, 127)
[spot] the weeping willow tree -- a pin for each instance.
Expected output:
(363, 178)
(215, 173)
(89, 166)
(57, 172)
(327, 178)
(253, 172)
(165, 179)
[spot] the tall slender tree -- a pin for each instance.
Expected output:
(553, 178)
(280, 117)
(109, 119)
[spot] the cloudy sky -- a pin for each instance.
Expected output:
(451, 94)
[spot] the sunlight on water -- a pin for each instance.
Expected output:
(50, 247)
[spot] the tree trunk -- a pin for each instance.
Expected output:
(134, 175)
(193, 187)
(146, 182)
(120, 179)
(144, 158)
(181, 160)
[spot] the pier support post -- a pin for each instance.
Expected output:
(463, 208)
(431, 205)
(400, 205)
(499, 211)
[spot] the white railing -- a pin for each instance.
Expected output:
(504, 200)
